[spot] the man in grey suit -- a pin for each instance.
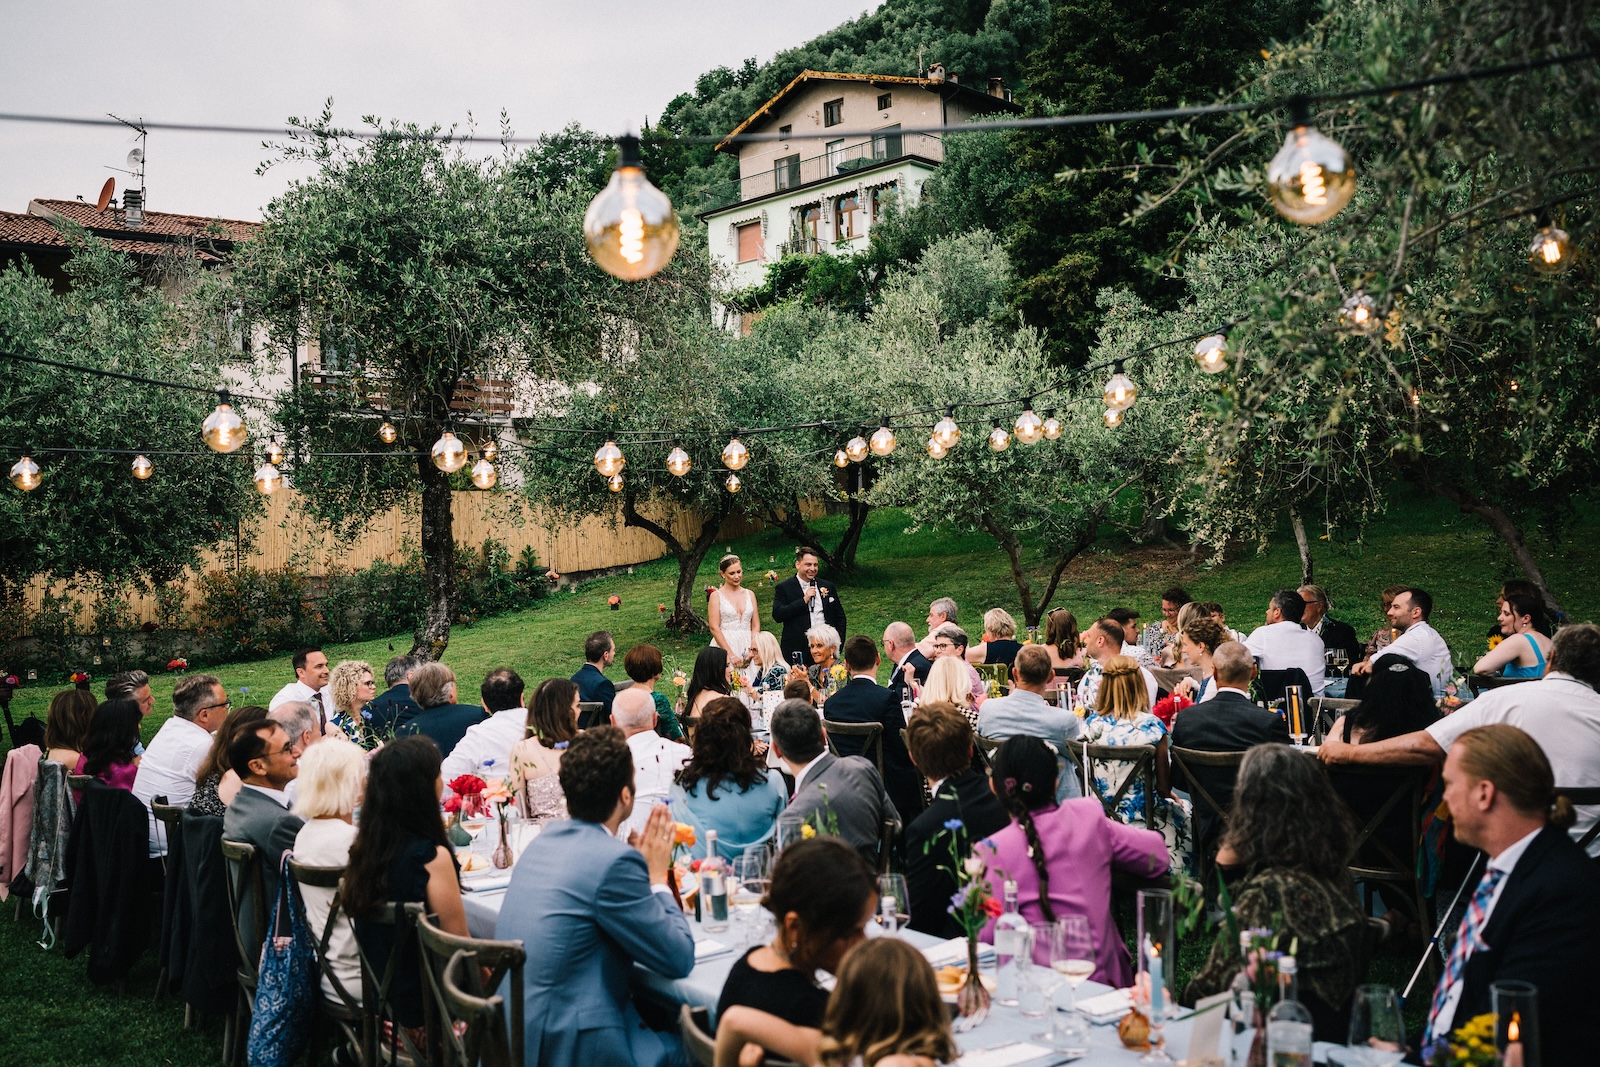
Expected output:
(828, 788)
(588, 907)
(259, 813)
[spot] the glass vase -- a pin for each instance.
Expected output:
(973, 1001)
(501, 856)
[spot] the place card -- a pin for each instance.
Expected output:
(1002, 1055)
(1205, 1035)
(1107, 1007)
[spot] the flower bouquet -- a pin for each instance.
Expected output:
(683, 842)
(1471, 1045)
(468, 792)
(79, 679)
(615, 601)
(972, 906)
(498, 796)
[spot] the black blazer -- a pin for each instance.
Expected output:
(390, 707)
(1227, 722)
(595, 687)
(1544, 929)
(112, 877)
(446, 724)
(790, 609)
(919, 666)
(863, 700)
(1336, 634)
(967, 797)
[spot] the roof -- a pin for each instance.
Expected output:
(157, 224)
(35, 231)
(943, 86)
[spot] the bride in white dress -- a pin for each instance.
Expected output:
(732, 613)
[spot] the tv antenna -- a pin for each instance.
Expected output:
(133, 199)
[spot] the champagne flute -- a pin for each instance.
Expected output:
(1377, 1030)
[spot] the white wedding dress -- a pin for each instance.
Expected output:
(738, 624)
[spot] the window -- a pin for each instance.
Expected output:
(811, 223)
(337, 352)
(786, 171)
(785, 131)
(835, 155)
(882, 196)
(833, 112)
(885, 101)
(886, 143)
(847, 218)
(749, 243)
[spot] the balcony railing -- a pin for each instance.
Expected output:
(477, 396)
(781, 176)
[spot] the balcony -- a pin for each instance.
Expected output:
(791, 172)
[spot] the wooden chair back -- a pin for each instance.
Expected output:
(1479, 682)
(344, 1010)
(170, 816)
(481, 1042)
(1143, 759)
(1325, 711)
(503, 959)
(1371, 858)
(1184, 760)
(702, 1045)
(871, 734)
(376, 987)
(1273, 683)
(589, 714)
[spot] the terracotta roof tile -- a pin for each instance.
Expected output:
(40, 232)
(155, 222)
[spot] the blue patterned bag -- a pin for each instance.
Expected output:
(286, 988)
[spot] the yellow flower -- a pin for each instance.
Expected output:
(807, 832)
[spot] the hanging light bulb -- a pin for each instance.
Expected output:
(387, 433)
(1029, 427)
(841, 459)
(614, 483)
(937, 450)
(946, 432)
(678, 461)
(142, 468)
(1120, 390)
(484, 475)
(274, 451)
(1211, 353)
(733, 483)
(856, 448)
(1113, 417)
(490, 450)
(1311, 178)
(1052, 427)
(999, 440)
(1359, 314)
(631, 228)
(223, 431)
(25, 474)
(735, 455)
(1549, 253)
(883, 440)
(608, 459)
(449, 454)
(268, 479)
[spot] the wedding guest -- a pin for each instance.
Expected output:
(999, 644)
(1336, 635)
(801, 603)
(707, 681)
(487, 746)
(599, 652)
(821, 896)
(886, 1011)
(108, 754)
(824, 669)
(731, 611)
(1198, 644)
(1062, 640)
(259, 813)
(1062, 855)
(940, 740)
(1213, 610)
(352, 688)
(1122, 718)
(134, 686)
(299, 721)
(395, 702)
(910, 665)
(1532, 916)
(655, 759)
(1128, 620)
(644, 665)
(310, 684)
(1382, 636)
(950, 641)
(401, 856)
(1028, 711)
(1287, 839)
(168, 766)
(330, 784)
(724, 786)
(216, 782)
(799, 689)
(829, 789)
(1102, 643)
(1158, 635)
(536, 760)
(948, 683)
(767, 668)
(433, 686)
(1524, 648)
(1284, 644)
(66, 728)
(863, 700)
(1417, 640)
(941, 612)
(590, 906)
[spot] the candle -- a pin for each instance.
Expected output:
(1157, 986)
(1513, 1054)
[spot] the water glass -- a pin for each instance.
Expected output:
(747, 889)
(790, 827)
(1036, 984)
(894, 902)
(1377, 1030)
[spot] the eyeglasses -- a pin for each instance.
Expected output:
(277, 752)
(943, 646)
(224, 704)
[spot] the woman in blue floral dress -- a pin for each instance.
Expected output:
(1122, 717)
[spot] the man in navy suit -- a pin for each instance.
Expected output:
(804, 601)
(588, 907)
(599, 650)
(863, 700)
(900, 648)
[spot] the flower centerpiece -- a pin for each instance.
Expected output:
(972, 906)
(498, 796)
(468, 790)
(1471, 1045)
(79, 679)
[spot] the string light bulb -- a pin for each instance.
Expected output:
(678, 461)
(142, 467)
(631, 228)
(1211, 353)
(490, 450)
(449, 454)
(25, 474)
(945, 431)
(1359, 314)
(856, 448)
(1029, 427)
(484, 475)
(840, 459)
(387, 433)
(733, 483)
(223, 431)
(614, 483)
(936, 450)
(1120, 391)
(735, 456)
(999, 440)
(1311, 178)
(608, 459)
(883, 440)
(1113, 417)
(268, 479)
(1052, 427)
(1549, 253)
(274, 452)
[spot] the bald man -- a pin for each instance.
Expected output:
(655, 759)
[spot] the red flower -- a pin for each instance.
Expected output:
(694, 865)
(615, 601)
(466, 785)
(992, 908)
(452, 804)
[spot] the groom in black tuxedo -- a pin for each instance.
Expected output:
(804, 601)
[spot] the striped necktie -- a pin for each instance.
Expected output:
(1466, 940)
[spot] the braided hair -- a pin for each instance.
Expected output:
(1025, 779)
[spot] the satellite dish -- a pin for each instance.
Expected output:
(105, 193)
(135, 157)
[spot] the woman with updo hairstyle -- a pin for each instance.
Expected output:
(1196, 643)
(999, 644)
(1065, 645)
(1523, 647)
(731, 611)
(1062, 855)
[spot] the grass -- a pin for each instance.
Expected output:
(53, 1016)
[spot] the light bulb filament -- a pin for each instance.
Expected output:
(1312, 188)
(1550, 250)
(630, 235)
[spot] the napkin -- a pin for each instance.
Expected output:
(953, 953)
(1002, 1055)
(497, 880)
(705, 949)
(1107, 1007)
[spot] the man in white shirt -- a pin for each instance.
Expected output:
(168, 767)
(492, 739)
(940, 612)
(1102, 645)
(1283, 643)
(1418, 641)
(655, 759)
(310, 684)
(1128, 619)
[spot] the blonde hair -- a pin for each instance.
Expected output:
(886, 1004)
(998, 621)
(344, 679)
(1188, 614)
(1122, 690)
(948, 681)
(331, 776)
(768, 652)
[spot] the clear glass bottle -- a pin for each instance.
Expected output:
(713, 887)
(1288, 1023)
(1011, 936)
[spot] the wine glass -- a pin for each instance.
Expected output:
(749, 886)
(894, 902)
(1072, 954)
(1377, 1030)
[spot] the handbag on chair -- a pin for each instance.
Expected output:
(286, 989)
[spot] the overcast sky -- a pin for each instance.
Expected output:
(607, 64)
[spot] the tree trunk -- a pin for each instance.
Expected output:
(1012, 547)
(438, 562)
(1508, 530)
(789, 519)
(846, 552)
(1304, 545)
(684, 617)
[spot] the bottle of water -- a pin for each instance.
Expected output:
(1288, 1023)
(713, 887)
(1010, 946)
